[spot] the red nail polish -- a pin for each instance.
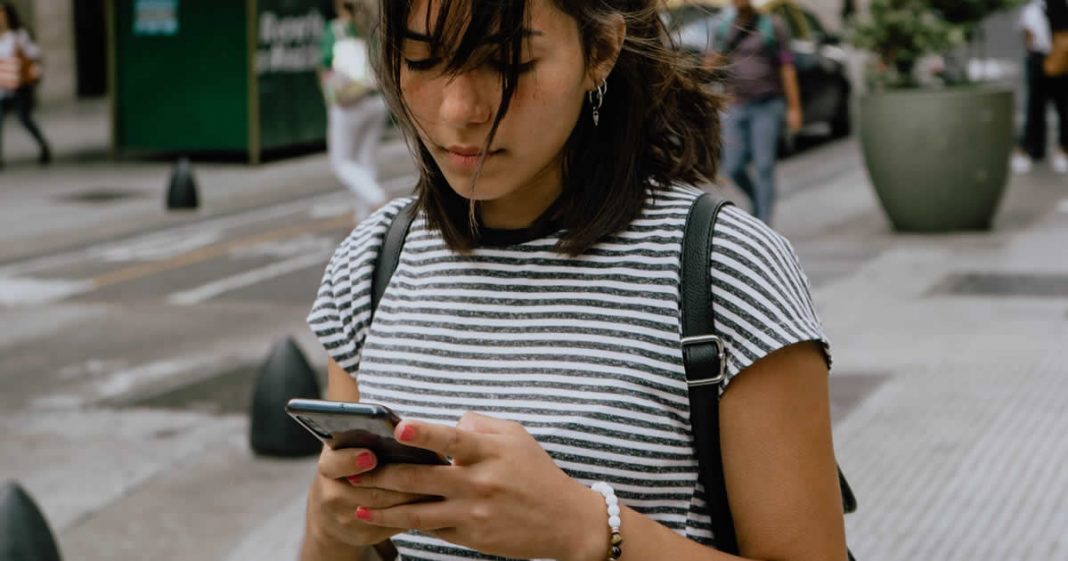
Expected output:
(355, 479)
(408, 434)
(363, 513)
(365, 461)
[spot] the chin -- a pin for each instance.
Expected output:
(485, 190)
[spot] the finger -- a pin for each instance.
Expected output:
(339, 464)
(426, 517)
(482, 424)
(415, 479)
(461, 445)
(382, 498)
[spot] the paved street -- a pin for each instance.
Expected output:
(129, 338)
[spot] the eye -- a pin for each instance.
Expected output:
(422, 65)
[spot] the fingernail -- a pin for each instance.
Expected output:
(355, 479)
(365, 461)
(363, 513)
(408, 434)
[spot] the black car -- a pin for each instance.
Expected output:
(822, 72)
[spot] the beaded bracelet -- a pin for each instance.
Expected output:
(615, 549)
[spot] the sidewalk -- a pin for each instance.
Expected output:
(950, 359)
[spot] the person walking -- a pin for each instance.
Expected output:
(20, 71)
(1042, 90)
(531, 329)
(356, 112)
(754, 50)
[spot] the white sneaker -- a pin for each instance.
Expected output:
(1060, 162)
(1021, 164)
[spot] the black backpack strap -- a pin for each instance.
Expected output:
(704, 357)
(389, 255)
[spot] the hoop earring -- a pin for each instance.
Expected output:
(598, 102)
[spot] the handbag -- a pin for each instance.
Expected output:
(1056, 63)
(19, 71)
(704, 355)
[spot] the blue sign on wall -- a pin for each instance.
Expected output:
(155, 17)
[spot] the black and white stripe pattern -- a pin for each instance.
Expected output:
(584, 352)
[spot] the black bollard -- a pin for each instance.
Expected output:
(285, 375)
(182, 193)
(24, 532)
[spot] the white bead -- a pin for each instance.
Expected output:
(611, 500)
(601, 487)
(614, 521)
(613, 510)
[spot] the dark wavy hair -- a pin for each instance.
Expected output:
(659, 124)
(14, 22)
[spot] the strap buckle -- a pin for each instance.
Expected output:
(721, 353)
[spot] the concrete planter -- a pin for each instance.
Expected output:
(938, 159)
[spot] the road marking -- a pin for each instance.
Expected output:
(37, 292)
(248, 278)
(140, 271)
(158, 248)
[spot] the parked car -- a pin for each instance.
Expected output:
(820, 61)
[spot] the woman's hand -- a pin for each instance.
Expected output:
(336, 493)
(503, 495)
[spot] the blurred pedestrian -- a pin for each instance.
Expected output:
(762, 82)
(20, 72)
(357, 113)
(530, 331)
(1042, 90)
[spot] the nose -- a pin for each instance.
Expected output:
(466, 99)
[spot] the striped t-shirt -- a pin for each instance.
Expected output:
(583, 351)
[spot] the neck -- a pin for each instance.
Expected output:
(523, 207)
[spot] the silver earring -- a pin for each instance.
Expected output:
(598, 102)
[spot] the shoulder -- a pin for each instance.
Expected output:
(762, 299)
(362, 246)
(779, 25)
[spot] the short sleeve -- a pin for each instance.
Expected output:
(341, 314)
(760, 295)
(782, 40)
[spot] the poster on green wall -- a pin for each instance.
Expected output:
(289, 34)
(155, 17)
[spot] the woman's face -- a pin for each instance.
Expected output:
(521, 175)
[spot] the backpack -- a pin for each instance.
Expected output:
(765, 26)
(703, 352)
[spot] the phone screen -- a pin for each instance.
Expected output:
(358, 425)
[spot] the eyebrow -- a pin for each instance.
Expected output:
(498, 38)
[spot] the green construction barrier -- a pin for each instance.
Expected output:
(211, 76)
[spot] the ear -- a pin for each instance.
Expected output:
(605, 50)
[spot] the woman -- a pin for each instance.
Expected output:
(357, 114)
(762, 83)
(531, 331)
(17, 49)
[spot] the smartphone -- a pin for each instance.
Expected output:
(358, 425)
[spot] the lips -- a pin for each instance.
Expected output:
(467, 158)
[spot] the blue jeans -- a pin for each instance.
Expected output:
(751, 134)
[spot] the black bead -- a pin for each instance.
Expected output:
(617, 552)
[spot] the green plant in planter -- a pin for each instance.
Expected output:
(900, 33)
